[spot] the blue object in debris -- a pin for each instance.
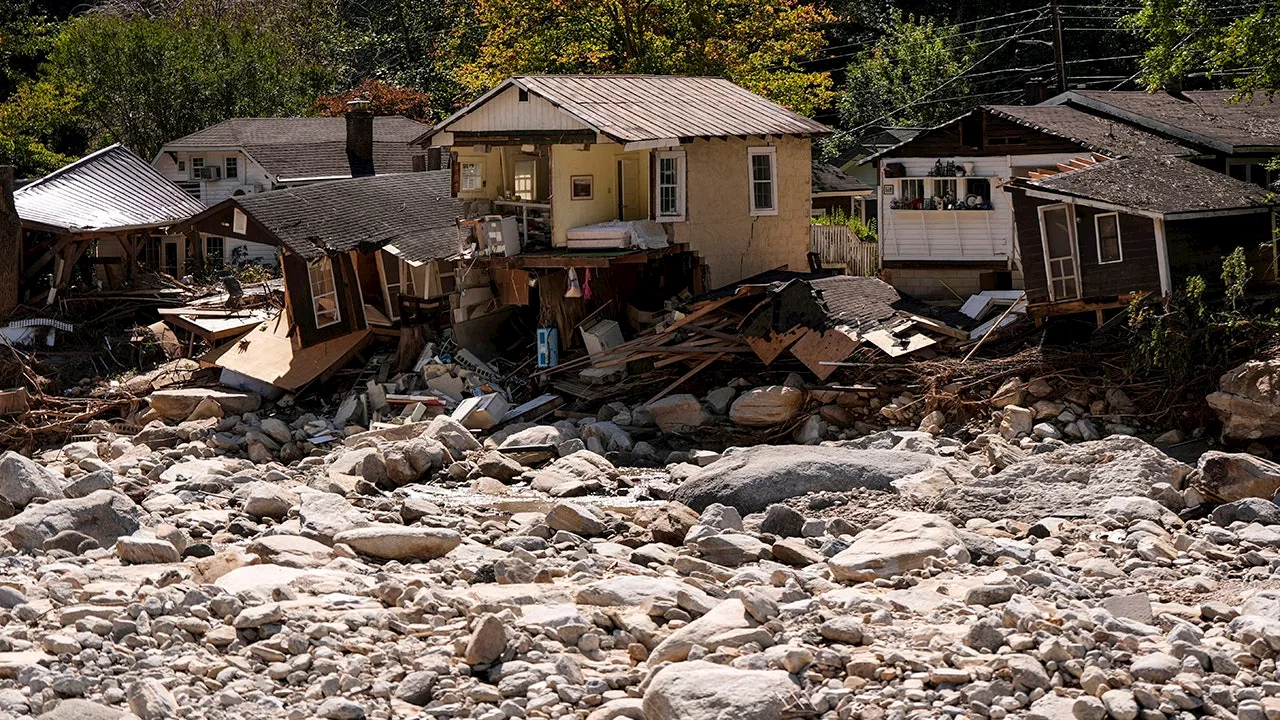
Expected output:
(548, 347)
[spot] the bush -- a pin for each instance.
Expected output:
(865, 230)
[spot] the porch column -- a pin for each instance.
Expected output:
(1162, 257)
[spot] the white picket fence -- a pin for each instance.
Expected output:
(837, 246)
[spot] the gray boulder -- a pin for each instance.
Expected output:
(1074, 481)
(104, 515)
(1247, 510)
(23, 480)
(702, 690)
(1227, 477)
(1248, 401)
(324, 515)
(754, 478)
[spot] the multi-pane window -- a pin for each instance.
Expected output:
(764, 185)
(670, 186)
(980, 187)
(944, 188)
(912, 189)
(232, 167)
(472, 177)
(197, 164)
(214, 250)
(324, 292)
(1108, 227)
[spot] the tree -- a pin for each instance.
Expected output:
(383, 99)
(758, 44)
(144, 81)
(913, 76)
(41, 128)
(1215, 36)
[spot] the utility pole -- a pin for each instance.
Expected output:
(1059, 61)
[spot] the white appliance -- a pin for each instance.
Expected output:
(500, 235)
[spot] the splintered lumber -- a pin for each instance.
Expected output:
(768, 348)
(710, 307)
(818, 348)
(894, 346)
(939, 327)
(680, 380)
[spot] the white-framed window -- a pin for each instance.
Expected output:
(471, 176)
(1107, 228)
(762, 163)
(945, 188)
(215, 250)
(324, 293)
(231, 167)
(669, 186)
(912, 189)
(197, 164)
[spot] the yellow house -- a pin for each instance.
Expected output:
(586, 162)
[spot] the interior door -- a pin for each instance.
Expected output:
(171, 257)
(629, 189)
(1058, 233)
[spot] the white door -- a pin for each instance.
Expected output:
(1058, 235)
(629, 190)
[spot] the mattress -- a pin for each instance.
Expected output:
(613, 234)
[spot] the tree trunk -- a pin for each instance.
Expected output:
(10, 244)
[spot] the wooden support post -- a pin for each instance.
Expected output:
(10, 244)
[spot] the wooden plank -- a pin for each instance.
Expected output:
(769, 348)
(714, 333)
(819, 347)
(680, 380)
(700, 312)
(939, 327)
(896, 347)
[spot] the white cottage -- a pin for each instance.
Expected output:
(945, 227)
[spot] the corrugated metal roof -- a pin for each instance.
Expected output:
(635, 108)
(413, 211)
(313, 147)
(109, 190)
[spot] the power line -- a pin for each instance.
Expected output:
(871, 43)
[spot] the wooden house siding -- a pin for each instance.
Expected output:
(1001, 137)
(1197, 247)
(297, 280)
(505, 113)
(252, 178)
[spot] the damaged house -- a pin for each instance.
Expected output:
(109, 207)
(624, 162)
(1094, 232)
(357, 256)
(245, 156)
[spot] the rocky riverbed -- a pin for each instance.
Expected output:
(414, 572)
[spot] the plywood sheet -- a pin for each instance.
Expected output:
(268, 354)
(895, 346)
(768, 348)
(832, 345)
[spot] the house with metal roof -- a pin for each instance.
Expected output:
(945, 228)
(636, 162)
(244, 156)
(1094, 232)
(354, 253)
(111, 201)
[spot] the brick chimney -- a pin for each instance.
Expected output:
(359, 137)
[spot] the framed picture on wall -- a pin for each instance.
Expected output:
(581, 187)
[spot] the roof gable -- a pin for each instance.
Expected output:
(108, 190)
(634, 108)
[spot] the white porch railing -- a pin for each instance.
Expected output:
(836, 245)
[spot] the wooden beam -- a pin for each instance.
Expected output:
(680, 380)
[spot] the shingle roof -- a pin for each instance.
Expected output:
(1163, 185)
(296, 148)
(1206, 117)
(412, 211)
(109, 190)
(633, 108)
(1107, 136)
(831, 179)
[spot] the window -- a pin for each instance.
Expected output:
(943, 189)
(324, 293)
(912, 190)
(1249, 171)
(525, 179)
(971, 130)
(979, 188)
(524, 95)
(669, 184)
(214, 250)
(197, 164)
(472, 177)
(1057, 230)
(182, 166)
(232, 167)
(764, 185)
(1108, 227)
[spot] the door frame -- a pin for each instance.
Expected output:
(179, 259)
(1070, 210)
(622, 187)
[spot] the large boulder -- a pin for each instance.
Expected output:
(1073, 481)
(906, 543)
(751, 479)
(766, 406)
(104, 515)
(1227, 477)
(583, 466)
(677, 412)
(179, 404)
(1248, 401)
(23, 480)
(398, 542)
(711, 631)
(323, 515)
(702, 690)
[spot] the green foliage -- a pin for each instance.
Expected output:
(865, 230)
(147, 80)
(1188, 339)
(911, 69)
(41, 128)
(758, 44)
(1188, 36)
